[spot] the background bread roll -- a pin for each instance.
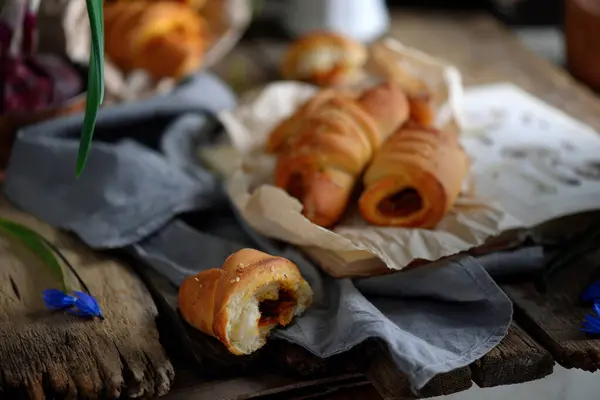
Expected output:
(325, 59)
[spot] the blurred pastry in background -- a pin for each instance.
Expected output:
(325, 59)
(383, 62)
(166, 39)
(195, 4)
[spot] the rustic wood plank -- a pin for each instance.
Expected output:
(554, 318)
(357, 392)
(264, 386)
(57, 355)
(517, 359)
(393, 385)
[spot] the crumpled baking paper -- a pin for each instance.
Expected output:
(353, 247)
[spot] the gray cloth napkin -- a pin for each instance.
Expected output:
(142, 174)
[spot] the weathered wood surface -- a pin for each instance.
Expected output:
(554, 317)
(393, 385)
(517, 359)
(54, 354)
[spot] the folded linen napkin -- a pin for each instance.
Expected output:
(142, 174)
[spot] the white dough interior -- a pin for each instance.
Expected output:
(244, 313)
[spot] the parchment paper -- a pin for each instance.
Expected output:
(274, 213)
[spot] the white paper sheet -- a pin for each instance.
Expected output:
(538, 162)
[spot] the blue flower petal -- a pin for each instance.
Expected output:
(86, 306)
(591, 324)
(591, 293)
(57, 300)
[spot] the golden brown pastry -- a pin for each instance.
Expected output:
(422, 111)
(289, 126)
(166, 39)
(384, 63)
(414, 179)
(240, 303)
(328, 144)
(325, 59)
(195, 4)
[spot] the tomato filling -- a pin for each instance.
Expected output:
(401, 204)
(277, 311)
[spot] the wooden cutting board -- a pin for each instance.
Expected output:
(53, 354)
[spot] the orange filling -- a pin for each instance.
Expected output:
(277, 311)
(401, 204)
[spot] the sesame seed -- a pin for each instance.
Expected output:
(237, 279)
(196, 279)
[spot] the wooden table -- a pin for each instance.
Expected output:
(542, 333)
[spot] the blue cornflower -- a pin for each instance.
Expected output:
(79, 303)
(591, 293)
(592, 322)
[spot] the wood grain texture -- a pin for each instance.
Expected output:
(59, 355)
(391, 384)
(554, 318)
(517, 359)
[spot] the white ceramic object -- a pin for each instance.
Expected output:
(363, 20)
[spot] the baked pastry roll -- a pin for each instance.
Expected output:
(325, 59)
(384, 62)
(414, 179)
(289, 127)
(241, 302)
(327, 145)
(166, 39)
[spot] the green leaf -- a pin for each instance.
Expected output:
(36, 243)
(95, 84)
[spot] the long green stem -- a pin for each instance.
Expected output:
(95, 85)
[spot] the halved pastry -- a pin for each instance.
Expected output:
(240, 303)
(414, 179)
